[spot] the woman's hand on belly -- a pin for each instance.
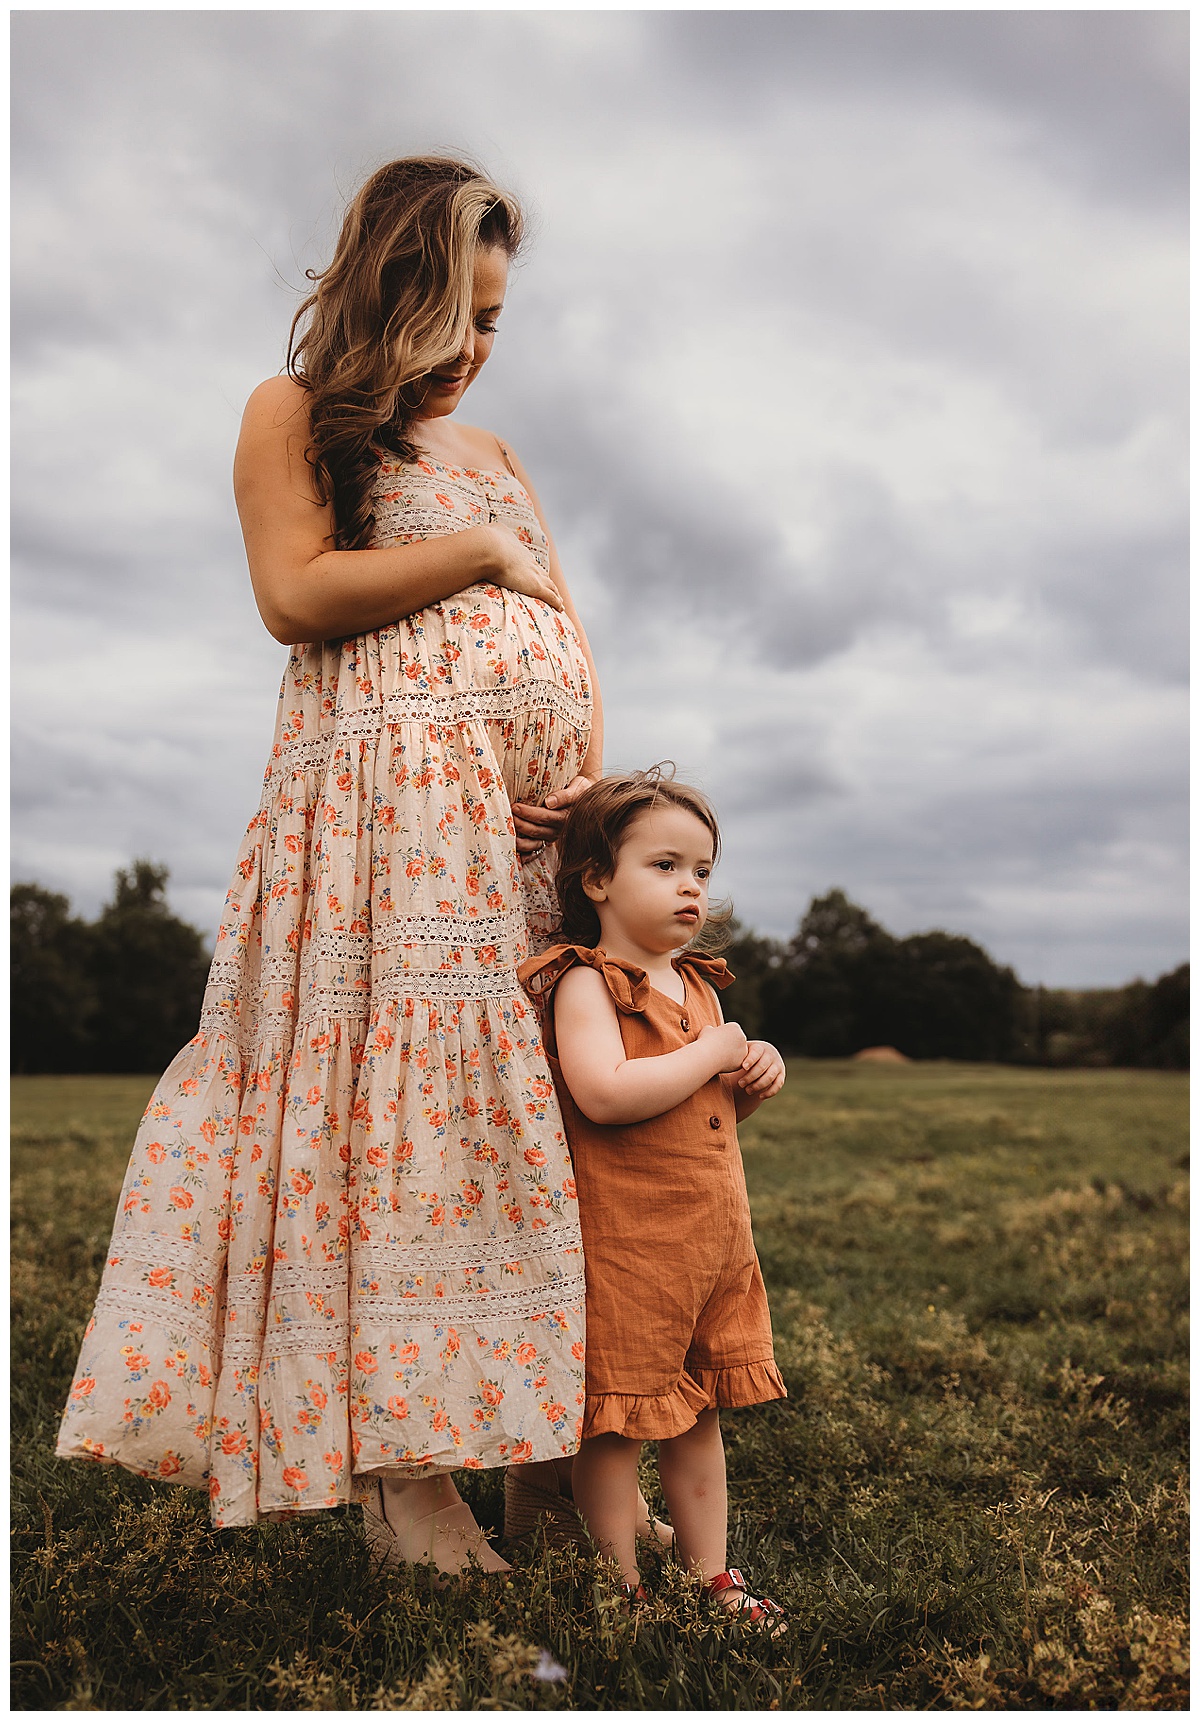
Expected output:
(517, 569)
(539, 826)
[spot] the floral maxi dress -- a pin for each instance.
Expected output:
(347, 1239)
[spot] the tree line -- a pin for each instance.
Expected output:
(119, 993)
(122, 993)
(843, 983)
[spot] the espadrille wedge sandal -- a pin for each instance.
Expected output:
(533, 1507)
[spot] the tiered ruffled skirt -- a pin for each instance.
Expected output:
(347, 1239)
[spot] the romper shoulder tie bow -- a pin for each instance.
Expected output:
(710, 968)
(628, 986)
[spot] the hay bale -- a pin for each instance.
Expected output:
(880, 1055)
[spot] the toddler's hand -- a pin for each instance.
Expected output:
(762, 1070)
(730, 1045)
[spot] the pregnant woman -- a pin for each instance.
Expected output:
(346, 1260)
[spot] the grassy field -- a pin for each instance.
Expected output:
(973, 1498)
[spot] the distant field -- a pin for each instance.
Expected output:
(973, 1498)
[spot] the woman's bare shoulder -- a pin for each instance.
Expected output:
(273, 442)
(280, 404)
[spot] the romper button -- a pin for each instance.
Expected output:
(683, 1023)
(714, 1123)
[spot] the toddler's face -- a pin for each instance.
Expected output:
(657, 897)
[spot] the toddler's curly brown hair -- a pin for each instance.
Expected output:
(592, 838)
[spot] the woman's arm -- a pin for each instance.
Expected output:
(307, 591)
(610, 1088)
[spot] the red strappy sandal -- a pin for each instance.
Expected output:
(750, 1610)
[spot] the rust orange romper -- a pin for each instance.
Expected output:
(677, 1316)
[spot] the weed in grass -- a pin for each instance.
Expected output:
(974, 1497)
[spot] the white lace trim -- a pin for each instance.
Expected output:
(482, 1251)
(328, 944)
(332, 944)
(239, 1347)
(265, 1028)
(173, 1313)
(303, 1336)
(400, 502)
(484, 985)
(156, 1249)
(255, 1029)
(330, 1278)
(514, 1304)
(449, 709)
(449, 931)
(479, 1309)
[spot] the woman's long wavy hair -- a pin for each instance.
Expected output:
(394, 303)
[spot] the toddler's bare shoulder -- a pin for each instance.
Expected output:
(582, 984)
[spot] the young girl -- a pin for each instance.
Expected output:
(652, 1082)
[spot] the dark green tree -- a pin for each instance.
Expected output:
(952, 1001)
(1169, 1009)
(847, 983)
(1145, 1027)
(752, 960)
(1139, 1026)
(814, 1003)
(149, 970)
(53, 999)
(122, 993)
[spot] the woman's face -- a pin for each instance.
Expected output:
(445, 386)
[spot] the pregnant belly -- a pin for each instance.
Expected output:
(485, 657)
(481, 642)
(488, 637)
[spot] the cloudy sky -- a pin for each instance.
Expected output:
(848, 358)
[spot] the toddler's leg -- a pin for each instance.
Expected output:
(691, 1468)
(605, 1484)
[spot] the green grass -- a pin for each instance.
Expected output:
(973, 1498)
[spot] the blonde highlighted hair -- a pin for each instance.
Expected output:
(592, 839)
(395, 302)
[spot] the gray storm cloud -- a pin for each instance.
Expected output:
(848, 360)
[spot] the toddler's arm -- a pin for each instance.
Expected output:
(610, 1088)
(759, 1078)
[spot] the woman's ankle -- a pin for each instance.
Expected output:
(413, 1497)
